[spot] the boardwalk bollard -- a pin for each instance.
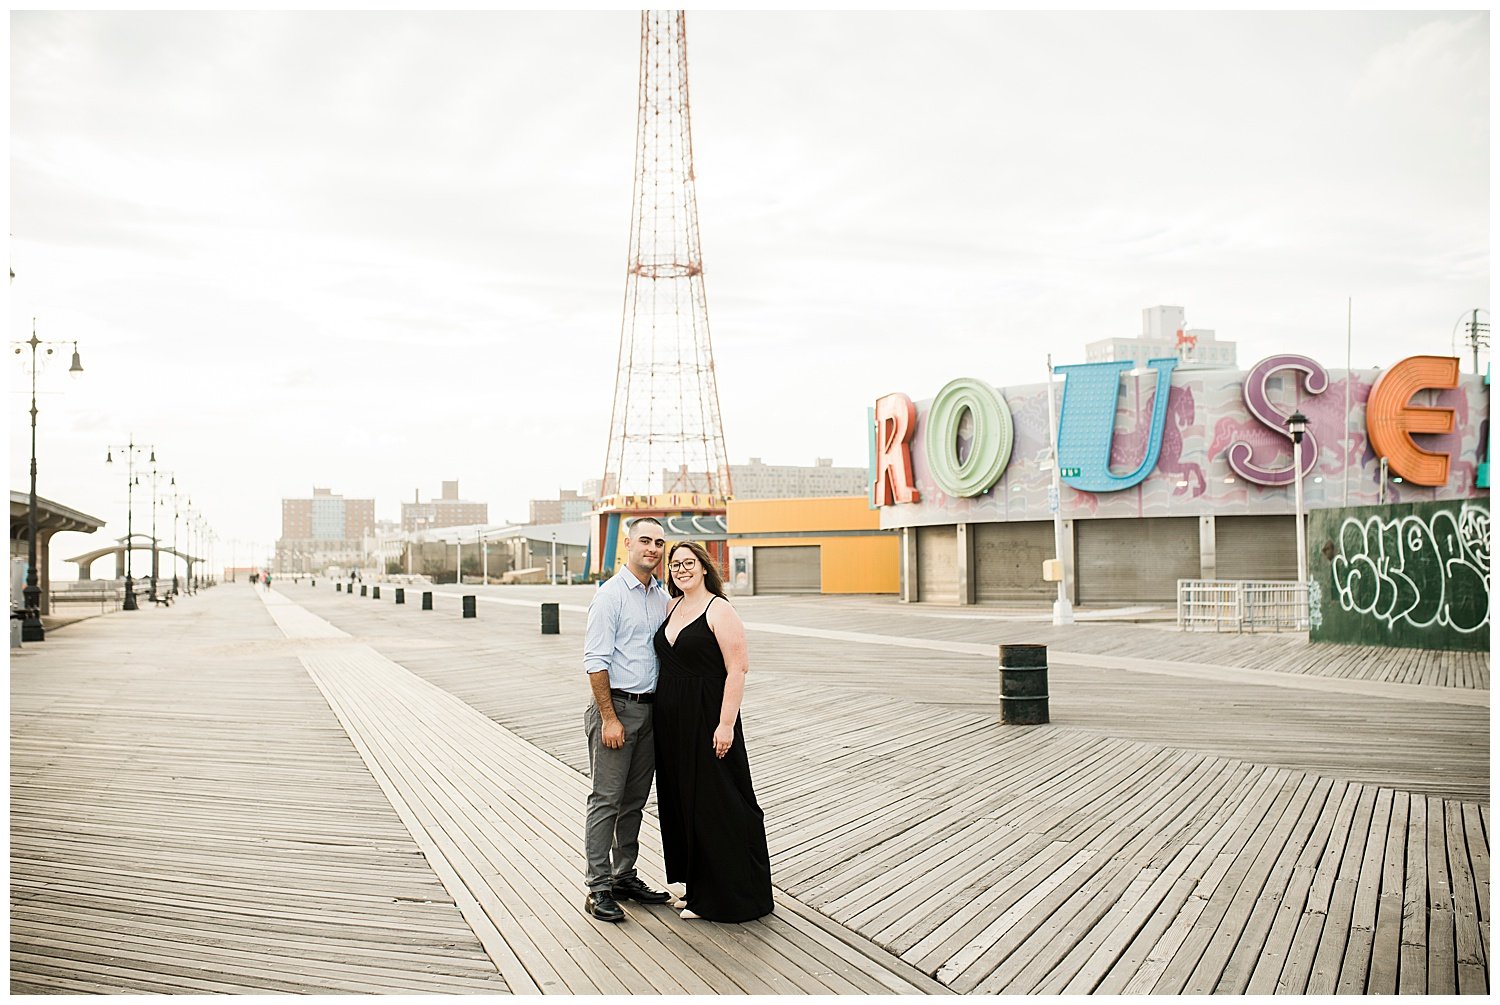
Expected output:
(338, 587)
(427, 601)
(469, 611)
(375, 592)
(549, 619)
(400, 595)
(363, 590)
(1023, 684)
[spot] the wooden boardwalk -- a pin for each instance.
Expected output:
(1286, 653)
(187, 815)
(501, 823)
(1072, 857)
(1171, 831)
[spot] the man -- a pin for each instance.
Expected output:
(621, 663)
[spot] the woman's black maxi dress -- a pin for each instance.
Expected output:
(713, 832)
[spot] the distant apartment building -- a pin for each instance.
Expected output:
(1164, 333)
(326, 530)
(448, 511)
(568, 507)
(758, 480)
(597, 488)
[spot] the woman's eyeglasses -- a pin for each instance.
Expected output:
(686, 565)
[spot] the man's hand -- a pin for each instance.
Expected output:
(613, 734)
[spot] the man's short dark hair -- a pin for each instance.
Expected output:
(632, 525)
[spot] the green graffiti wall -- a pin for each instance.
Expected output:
(1415, 576)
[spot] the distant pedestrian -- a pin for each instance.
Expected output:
(268, 582)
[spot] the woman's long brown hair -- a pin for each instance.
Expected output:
(711, 578)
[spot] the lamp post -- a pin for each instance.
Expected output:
(1296, 424)
(172, 484)
(1062, 607)
(188, 522)
(200, 535)
(176, 555)
(131, 448)
(155, 551)
(484, 559)
(31, 627)
(552, 565)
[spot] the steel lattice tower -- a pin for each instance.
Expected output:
(666, 406)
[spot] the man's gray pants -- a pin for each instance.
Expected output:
(622, 781)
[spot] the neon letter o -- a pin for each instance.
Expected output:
(994, 435)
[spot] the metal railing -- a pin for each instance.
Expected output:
(1241, 605)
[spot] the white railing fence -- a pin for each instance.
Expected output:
(1241, 605)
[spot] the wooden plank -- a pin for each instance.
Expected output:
(1413, 976)
(1442, 954)
(1386, 950)
(1355, 968)
(1469, 950)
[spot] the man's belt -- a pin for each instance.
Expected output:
(645, 697)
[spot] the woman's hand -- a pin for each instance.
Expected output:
(723, 740)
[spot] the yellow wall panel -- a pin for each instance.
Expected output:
(764, 516)
(862, 565)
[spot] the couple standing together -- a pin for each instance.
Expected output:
(667, 671)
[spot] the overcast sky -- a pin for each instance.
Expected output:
(375, 251)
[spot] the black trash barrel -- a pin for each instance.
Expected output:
(400, 595)
(363, 590)
(550, 620)
(375, 592)
(427, 601)
(1023, 684)
(469, 611)
(338, 587)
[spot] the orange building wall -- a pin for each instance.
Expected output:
(760, 516)
(850, 564)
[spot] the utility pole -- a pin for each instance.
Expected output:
(1478, 335)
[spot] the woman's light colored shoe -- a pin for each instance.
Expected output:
(690, 916)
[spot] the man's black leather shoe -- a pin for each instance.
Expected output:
(602, 906)
(634, 889)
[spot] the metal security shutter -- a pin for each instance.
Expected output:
(1255, 547)
(796, 569)
(1133, 561)
(937, 564)
(1008, 561)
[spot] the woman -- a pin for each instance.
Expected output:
(713, 832)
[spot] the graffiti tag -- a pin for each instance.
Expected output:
(1424, 572)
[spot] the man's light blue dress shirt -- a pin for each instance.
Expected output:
(623, 616)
